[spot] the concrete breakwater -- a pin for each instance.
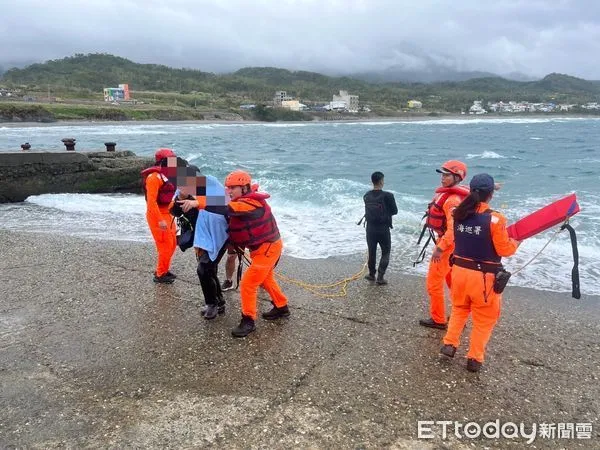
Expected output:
(32, 173)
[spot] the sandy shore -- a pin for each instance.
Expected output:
(93, 354)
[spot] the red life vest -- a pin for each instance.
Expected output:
(253, 230)
(436, 219)
(165, 192)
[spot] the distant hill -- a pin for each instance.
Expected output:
(95, 71)
(434, 74)
(257, 84)
(6, 65)
(398, 74)
(565, 83)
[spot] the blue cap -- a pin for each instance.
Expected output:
(482, 182)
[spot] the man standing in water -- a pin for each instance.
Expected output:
(380, 206)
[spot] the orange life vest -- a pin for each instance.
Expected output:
(253, 230)
(165, 192)
(436, 219)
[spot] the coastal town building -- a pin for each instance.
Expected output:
(528, 107)
(336, 106)
(117, 94)
(591, 105)
(414, 104)
(477, 108)
(280, 97)
(293, 105)
(350, 102)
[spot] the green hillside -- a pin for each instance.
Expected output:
(84, 76)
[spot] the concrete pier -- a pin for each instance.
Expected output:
(34, 173)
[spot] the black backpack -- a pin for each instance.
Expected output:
(376, 212)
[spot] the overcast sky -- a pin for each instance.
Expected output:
(534, 37)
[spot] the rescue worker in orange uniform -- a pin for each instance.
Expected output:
(447, 197)
(480, 240)
(159, 193)
(232, 255)
(252, 226)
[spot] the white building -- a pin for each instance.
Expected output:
(293, 105)
(351, 101)
(476, 108)
(591, 105)
(280, 96)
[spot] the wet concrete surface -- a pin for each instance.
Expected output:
(94, 354)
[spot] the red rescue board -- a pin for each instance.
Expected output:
(544, 218)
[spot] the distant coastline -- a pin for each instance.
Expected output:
(412, 118)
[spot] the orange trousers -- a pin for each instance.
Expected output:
(165, 240)
(261, 273)
(436, 276)
(468, 288)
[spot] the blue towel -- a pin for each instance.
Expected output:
(211, 229)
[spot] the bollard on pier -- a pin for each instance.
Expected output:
(69, 143)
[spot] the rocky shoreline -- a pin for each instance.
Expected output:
(33, 173)
(93, 354)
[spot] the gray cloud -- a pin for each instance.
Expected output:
(335, 36)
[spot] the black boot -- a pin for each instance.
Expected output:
(221, 307)
(276, 313)
(473, 365)
(370, 277)
(430, 323)
(448, 350)
(164, 279)
(245, 327)
(211, 312)
(380, 280)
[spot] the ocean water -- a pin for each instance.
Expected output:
(318, 172)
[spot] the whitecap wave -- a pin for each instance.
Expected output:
(487, 154)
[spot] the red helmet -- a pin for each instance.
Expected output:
(237, 178)
(454, 167)
(162, 153)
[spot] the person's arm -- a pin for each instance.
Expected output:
(450, 205)
(392, 206)
(503, 244)
(245, 208)
(223, 210)
(153, 184)
(193, 202)
(446, 241)
(248, 208)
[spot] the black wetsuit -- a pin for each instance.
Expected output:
(378, 229)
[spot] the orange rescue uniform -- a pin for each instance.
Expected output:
(265, 257)
(165, 239)
(472, 290)
(441, 271)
